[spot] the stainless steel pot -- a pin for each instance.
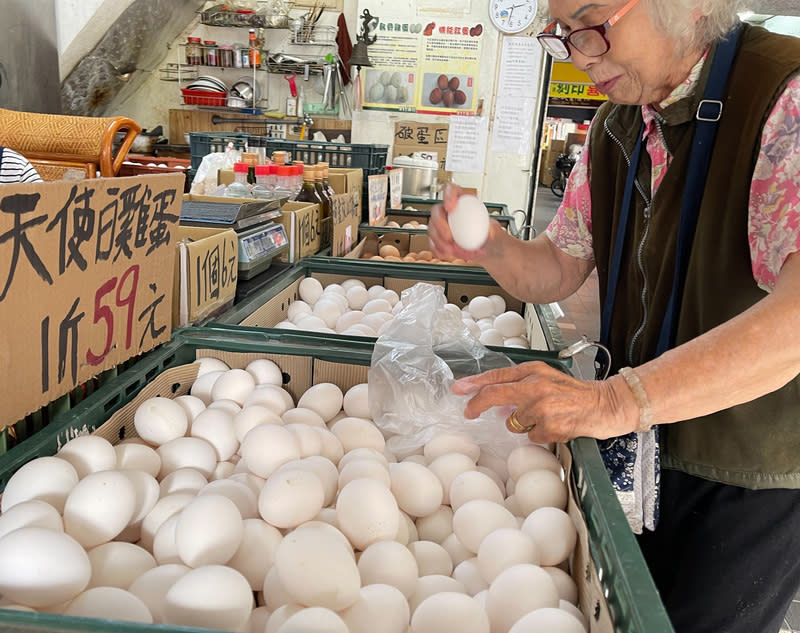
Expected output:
(420, 177)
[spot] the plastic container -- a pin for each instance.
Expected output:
(620, 599)
(226, 56)
(239, 187)
(204, 97)
(194, 51)
(262, 188)
(284, 185)
(210, 53)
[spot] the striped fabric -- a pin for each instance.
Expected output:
(15, 168)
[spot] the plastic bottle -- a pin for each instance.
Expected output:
(323, 195)
(262, 189)
(283, 185)
(298, 177)
(255, 51)
(239, 187)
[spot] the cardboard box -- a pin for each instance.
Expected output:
(85, 281)
(206, 269)
(407, 243)
(303, 227)
(548, 161)
(412, 136)
(345, 180)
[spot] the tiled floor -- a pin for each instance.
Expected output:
(582, 317)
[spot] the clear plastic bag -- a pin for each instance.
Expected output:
(205, 181)
(414, 365)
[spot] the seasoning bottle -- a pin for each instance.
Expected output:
(279, 157)
(323, 195)
(262, 189)
(255, 51)
(239, 187)
(210, 53)
(283, 185)
(226, 56)
(325, 182)
(237, 56)
(194, 51)
(308, 192)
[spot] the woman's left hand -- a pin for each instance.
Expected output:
(556, 406)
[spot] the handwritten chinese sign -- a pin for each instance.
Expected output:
(86, 271)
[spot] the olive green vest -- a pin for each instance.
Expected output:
(757, 444)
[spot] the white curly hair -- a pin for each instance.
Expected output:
(676, 18)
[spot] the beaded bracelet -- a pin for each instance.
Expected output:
(640, 395)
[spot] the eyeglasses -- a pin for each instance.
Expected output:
(590, 41)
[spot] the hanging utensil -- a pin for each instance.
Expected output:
(292, 84)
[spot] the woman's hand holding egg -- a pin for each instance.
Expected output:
(460, 228)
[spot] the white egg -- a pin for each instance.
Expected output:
(389, 563)
(485, 324)
(208, 365)
(317, 569)
(159, 420)
(472, 327)
(109, 603)
(209, 531)
(549, 619)
(481, 308)
(310, 290)
(374, 292)
(510, 324)
(152, 587)
(468, 574)
(418, 491)
(531, 457)
(391, 296)
(476, 519)
(256, 554)
(567, 588)
(458, 553)
(516, 341)
(296, 308)
(187, 452)
(332, 448)
(165, 547)
(470, 485)
(216, 427)
(444, 443)
(214, 597)
(498, 303)
(448, 467)
(352, 283)
(29, 550)
(356, 433)
(317, 619)
(554, 534)
(428, 586)
(348, 319)
(234, 384)
(280, 615)
(182, 480)
(291, 497)
(505, 604)
(364, 468)
(325, 398)
(328, 311)
(118, 564)
(491, 337)
(265, 371)
(191, 404)
(228, 406)
(146, 492)
(301, 415)
(538, 489)
(99, 507)
(308, 440)
(223, 470)
(254, 482)
(33, 513)
(258, 620)
(367, 512)
(469, 223)
(505, 548)
(376, 320)
(286, 325)
(163, 510)
(437, 526)
(376, 305)
(357, 297)
(240, 493)
(253, 416)
(90, 454)
(574, 611)
(432, 558)
(201, 388)
(132, 456)
(381, 608)
(449, 611)
(268, 446)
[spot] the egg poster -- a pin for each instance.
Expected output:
(425, 67)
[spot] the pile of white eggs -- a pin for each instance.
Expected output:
(352, 309)
(238, 509)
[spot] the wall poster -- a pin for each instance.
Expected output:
(428, 67)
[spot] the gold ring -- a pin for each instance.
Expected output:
(514, 425)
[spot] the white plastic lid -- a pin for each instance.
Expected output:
(408, 161)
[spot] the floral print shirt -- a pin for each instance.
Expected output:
(774, 209)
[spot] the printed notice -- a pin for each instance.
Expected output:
(519, 67)
(513, 123)
(466, 143)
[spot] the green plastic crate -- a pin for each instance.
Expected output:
(422, 214)
(332, 269)
(633, 602)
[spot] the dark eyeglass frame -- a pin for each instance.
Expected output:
(548, 37)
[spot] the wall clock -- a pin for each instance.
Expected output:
(512, 16)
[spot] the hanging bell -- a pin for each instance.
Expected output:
(359, 56)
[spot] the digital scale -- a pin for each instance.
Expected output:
(260, 239)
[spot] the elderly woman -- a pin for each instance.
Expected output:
(707, 248)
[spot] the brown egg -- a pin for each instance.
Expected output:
(409, 258)
(376, 257)
(460, 97)
(392, 258)
(366, 256)
(426, 255)
(388, 250)
(435, 261)
(454, 83)
(459, 261)
(435, 96)
(448, 99)
(442, 82)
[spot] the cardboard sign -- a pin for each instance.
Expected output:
(86, 272)
(377, 186)
(395, 187)
(429, 138)
(302, 224)
(346, 215)
(206, 267)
